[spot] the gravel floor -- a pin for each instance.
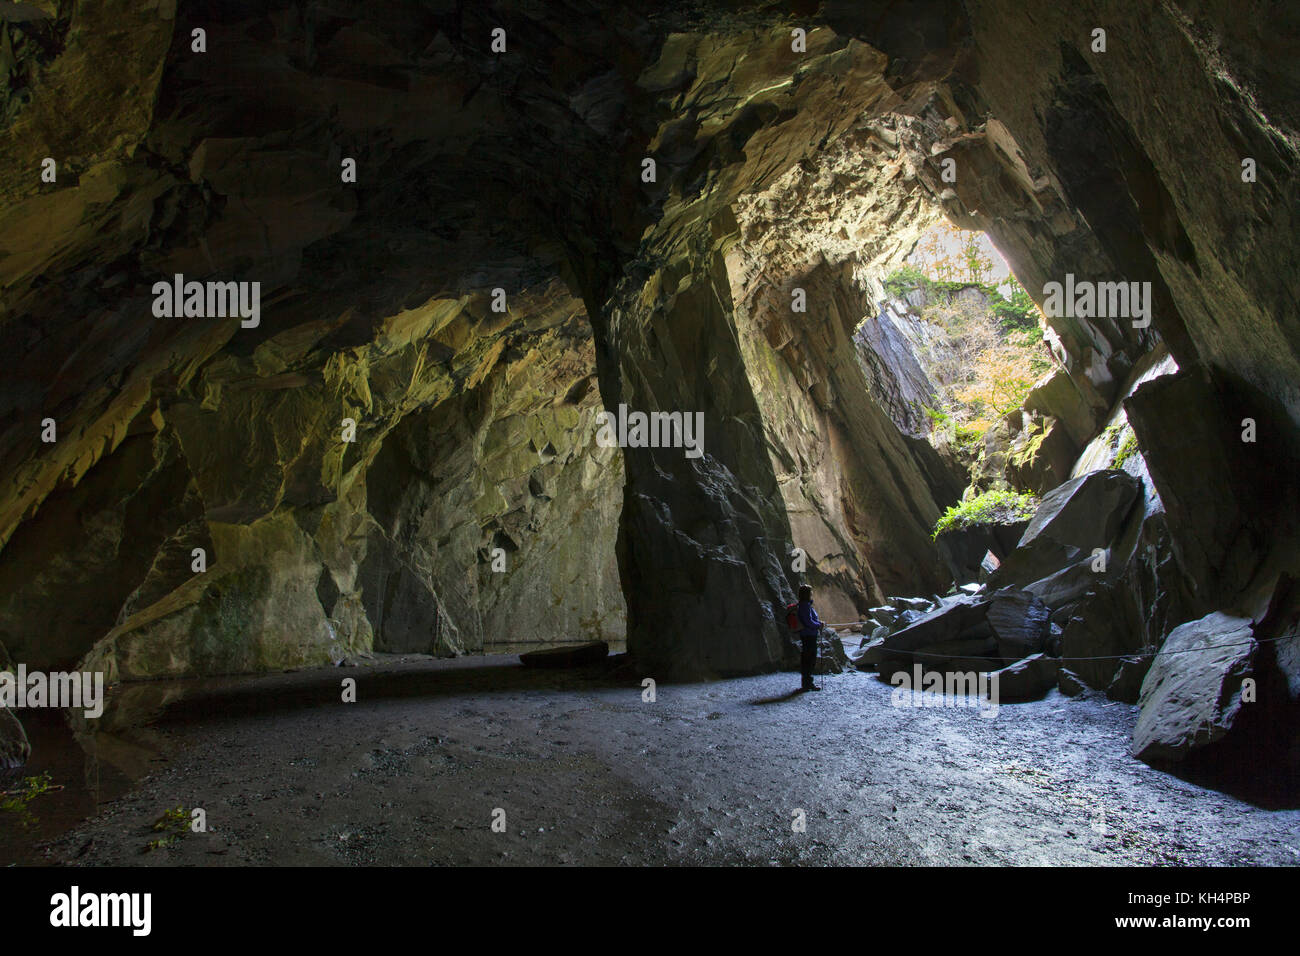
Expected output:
(586, 772)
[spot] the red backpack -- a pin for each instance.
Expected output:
(792, 617)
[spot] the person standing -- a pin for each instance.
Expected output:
(810, 628)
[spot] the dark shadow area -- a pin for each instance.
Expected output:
(784, 698)
(81, 786)
(1255, 774)
(225, 698)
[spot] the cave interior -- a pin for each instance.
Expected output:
(475, 227)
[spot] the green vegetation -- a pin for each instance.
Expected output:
(966, 437)
(15, 801)
(992, 351)
(1028, 454)
(173, 824)
(1018, 313)
(1127, 449)
(908, 278)
(992, 507)
(904, 280)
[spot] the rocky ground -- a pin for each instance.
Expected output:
(708, 773)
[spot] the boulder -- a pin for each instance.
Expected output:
(1069, 683)
(890, 664)
(1076, 406)
(567, 655)
(885, 614)
(1063, 586)
(14, 746)
(1193, 692)
(962, 619)
(1081, 515)
(911, 603)
(1027, 679)
(1102, 627)
(1126, 685)
(1019, 622)
(907, 619)
(869, 655)
(1054, 634)
(954, 638)
(831, 656)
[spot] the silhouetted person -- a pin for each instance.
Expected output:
(808, 633)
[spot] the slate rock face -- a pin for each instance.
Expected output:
(774, 172)
(1081, 515)
(1027, 679)
(1222, 700)
(1019, 622)
(1224, 501)
(1193, 692)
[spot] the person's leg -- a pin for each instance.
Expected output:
(807, 659)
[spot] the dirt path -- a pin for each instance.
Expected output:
(588, 773)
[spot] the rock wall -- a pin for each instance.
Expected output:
(525, 172)
(496, 513)
(798, 453)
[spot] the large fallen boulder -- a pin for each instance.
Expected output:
(968, 632)
(884, 614)
(1069, 683)
(869, 654)
(14, 746)
(1071, 401)
(1126, 685)
(1103, 628)
(1227, 709)
(1072, 521)
(961, 619)
(1020, 623)
(1193, 692)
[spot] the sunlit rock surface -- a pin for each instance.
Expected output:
(524, 172)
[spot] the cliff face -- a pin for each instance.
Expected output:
(524, 171)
